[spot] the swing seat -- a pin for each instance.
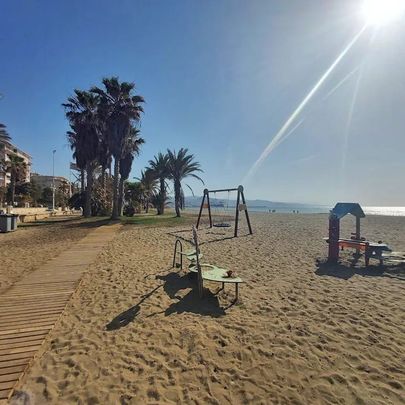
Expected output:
(222, 225)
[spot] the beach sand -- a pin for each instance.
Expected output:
(31, 245)
(303, 333)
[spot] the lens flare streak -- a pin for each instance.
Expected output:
(279, 137)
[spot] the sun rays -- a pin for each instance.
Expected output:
(286, 130)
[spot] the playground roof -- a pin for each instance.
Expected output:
(342, 209)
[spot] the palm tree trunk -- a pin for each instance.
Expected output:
(12, 188)
(177, 197)
(103, 178)
(82, 180)
(89, 191)
(161, 209)
(120, 196)
(115, 211)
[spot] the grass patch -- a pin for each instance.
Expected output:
(167, 220)
(62, 220)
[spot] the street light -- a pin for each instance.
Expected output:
(53, 180)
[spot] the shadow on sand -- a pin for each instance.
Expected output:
(221, 237)
(191, 302)
(345, 272)
(93, 223)
(49, 221)
(128, 316)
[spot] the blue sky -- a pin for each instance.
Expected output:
(221, 78)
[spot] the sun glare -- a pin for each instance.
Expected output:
(379, 12)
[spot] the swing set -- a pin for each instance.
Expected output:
(224, 220)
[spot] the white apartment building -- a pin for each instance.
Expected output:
(6, 149)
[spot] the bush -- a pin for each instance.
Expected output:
(129, 211)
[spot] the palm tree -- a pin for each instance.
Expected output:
(181, 165)
(160, 167)
(82, 113)
(149, 185)
(78, 155)
(17, 168)
(121, 109)
(104, 159)
(132, 149)
(4, 136)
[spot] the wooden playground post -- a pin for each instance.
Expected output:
(334, 233)
(358, 235)
(237, 212)
(209, 208)
(246, 211)
(201, 208)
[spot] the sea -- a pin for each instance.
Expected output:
(323, 209)
(287, 208)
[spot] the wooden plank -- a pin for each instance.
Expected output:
(32, 305)
(13, 377)
(4, 394)
(18, 312)
(7, 385)
(25, 326)
(26, 316)
(40, 295)
(5, 324)
(49, 283)
(30, 309)
(26, 312)
(37, 308)
(21, 335)
(17, 356)
(39, 305)
(53, 285)
(27, 329)
(16, 350)
(12, 370)
(45, 287)
(25, 343)
(17, 362)
(30, 302)
(43, 313)
(22, 327)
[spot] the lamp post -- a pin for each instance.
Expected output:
(53, 180)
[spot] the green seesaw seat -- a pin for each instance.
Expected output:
(204, 271)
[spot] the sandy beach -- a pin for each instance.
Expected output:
(136, 331)
(34, 244)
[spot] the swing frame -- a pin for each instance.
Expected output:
(239, 207)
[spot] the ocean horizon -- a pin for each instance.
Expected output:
(323, 209)
(290, 208)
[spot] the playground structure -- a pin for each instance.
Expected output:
(240, 206)
(179, 253)
(371, 250)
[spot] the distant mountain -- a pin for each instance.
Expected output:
(195, 202)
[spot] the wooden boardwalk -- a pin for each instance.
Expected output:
(31, 307)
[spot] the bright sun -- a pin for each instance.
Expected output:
(378, 12)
